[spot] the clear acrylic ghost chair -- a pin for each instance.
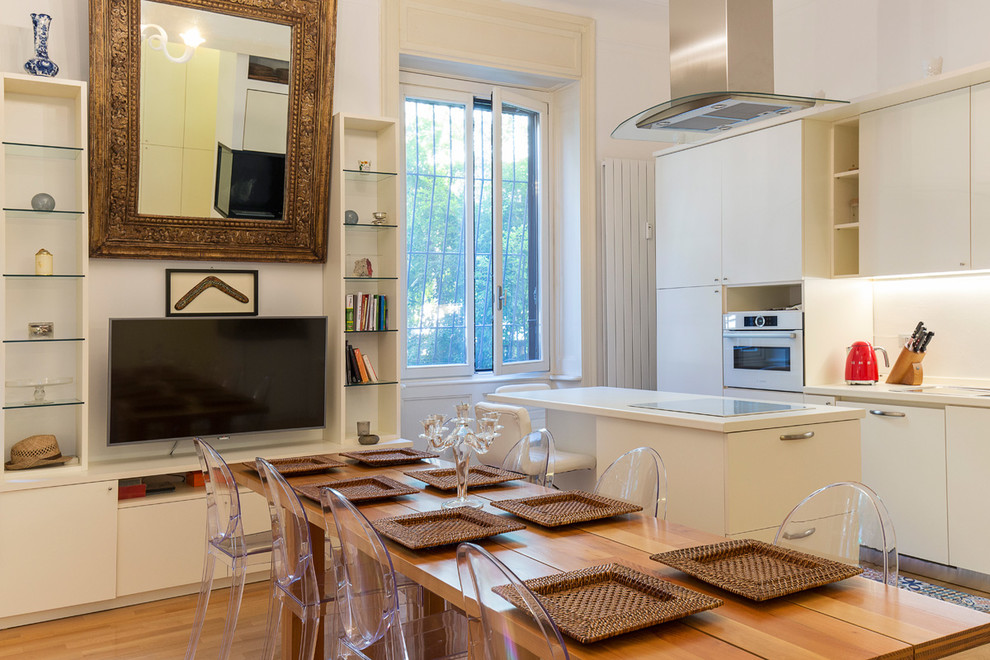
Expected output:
(847, 522)
(225, 541)
(369, 625)
(516, 425)
(637, 477)
(531, 457)
(493, 622)
(295, 583)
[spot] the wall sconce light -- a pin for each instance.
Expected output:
(158, 40)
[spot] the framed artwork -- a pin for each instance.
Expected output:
(211, 292)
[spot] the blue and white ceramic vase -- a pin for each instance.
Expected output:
(40, 65)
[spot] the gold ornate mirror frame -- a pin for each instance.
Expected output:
(116, 227)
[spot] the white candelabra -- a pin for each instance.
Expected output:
(461, 441)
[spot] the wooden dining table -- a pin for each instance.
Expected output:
(854, 618)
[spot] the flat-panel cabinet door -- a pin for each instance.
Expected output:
(904, 462)
(689, 340)
(980, 175)
(914, 186)
(689, 217)
(967, 455)
(58, 547)
(761, 206)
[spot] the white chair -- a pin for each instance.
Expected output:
(516, 426)
(846, 522)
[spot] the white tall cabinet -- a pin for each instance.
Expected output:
(915, 186)
(746, 210)
(689, 346)
(762, 206)
(689, 217)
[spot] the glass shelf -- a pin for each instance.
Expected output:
(381, 382)
(16, 405)
(357, 175)
(366, 227)
(41, 150)
(33, 213)
(42, 340)
(46, 277)
(354, 279)
(366, 332)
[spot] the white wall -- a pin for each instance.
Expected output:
(955, 308)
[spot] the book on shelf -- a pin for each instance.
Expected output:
(358, 311)
(349, 313)
(352, 372)
(362, 372)
(372, 375)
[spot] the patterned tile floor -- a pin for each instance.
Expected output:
(939, 591)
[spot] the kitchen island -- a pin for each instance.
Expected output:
(734, 467)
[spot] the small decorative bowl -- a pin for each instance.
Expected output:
(380, 217)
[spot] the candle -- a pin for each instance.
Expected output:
(43, 262)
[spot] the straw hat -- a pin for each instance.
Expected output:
(35, 451)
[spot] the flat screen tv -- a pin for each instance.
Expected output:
(179, 378)
(249, 184)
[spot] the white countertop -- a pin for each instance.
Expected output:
(946, 393)
(615, 402)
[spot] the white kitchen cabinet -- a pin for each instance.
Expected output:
(57, 547)
(967, 457)
(749, 209)
(915, 186)
(904, 461)
(689, 340)
(762, 206)
(769, 472)
(980, 176)
(689, 217)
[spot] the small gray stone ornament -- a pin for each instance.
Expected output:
(43, 202)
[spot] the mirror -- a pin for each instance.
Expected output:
(209, 129)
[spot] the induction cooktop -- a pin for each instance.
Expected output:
(719, 407)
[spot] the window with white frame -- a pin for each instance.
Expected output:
(476, 231)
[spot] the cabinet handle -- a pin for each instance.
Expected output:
(799, 535)
(798, 436)
(716, 279)
(887, 413)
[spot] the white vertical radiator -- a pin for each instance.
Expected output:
(628, 258)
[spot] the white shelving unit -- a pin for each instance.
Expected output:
(845, 197)
(44, 135)
(376, 188)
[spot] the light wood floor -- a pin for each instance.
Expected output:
(151, 631)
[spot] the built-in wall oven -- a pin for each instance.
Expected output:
(763, 350)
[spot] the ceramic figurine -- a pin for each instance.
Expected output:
(40, 64)
(43, 262)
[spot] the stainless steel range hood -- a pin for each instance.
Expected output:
(721, 72)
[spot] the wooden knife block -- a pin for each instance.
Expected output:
(907, 368)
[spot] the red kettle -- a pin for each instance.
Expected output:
(861, 363)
